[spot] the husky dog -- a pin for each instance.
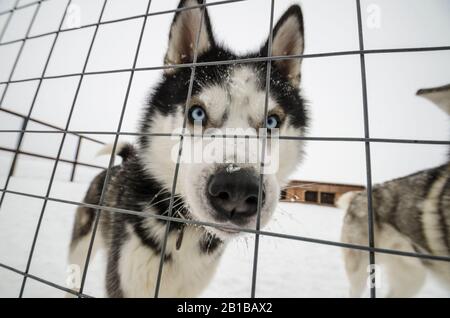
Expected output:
(411, 214)
(224, 96)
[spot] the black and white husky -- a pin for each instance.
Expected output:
(412, 214)
(227, 96)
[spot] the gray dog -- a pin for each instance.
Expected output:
(411, 214)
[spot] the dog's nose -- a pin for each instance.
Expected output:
(234, 195)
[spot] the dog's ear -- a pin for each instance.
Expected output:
(440, 96)
(183, 33)
(288, 39)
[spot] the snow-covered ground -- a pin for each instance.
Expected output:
(332, 85)
(286, 268)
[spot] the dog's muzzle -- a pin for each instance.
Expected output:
(234, 195)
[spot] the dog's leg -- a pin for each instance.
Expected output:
(81, 237)
(356, 262)
(356, 265)
(354, 231)
(406, 275)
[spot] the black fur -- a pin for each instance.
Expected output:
(127, 151)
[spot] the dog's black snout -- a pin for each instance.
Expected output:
(234, 195)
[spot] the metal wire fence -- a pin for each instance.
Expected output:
(85, 136)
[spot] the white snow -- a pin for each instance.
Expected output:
(332, 86)
(286, 268)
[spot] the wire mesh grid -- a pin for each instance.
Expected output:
(85, 136)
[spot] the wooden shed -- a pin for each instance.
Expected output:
(313, 192)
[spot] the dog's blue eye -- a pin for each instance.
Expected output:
(197, 114)
(273, 121)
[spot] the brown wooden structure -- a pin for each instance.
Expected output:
(316, 192)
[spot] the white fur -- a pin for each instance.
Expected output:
(344, 200)
(78, 254)
(185, 275)
(405, 275)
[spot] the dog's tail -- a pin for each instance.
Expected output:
(346, 199)
(124, 150)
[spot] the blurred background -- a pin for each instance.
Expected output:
(332, 86)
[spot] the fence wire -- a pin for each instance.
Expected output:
(86, 137)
